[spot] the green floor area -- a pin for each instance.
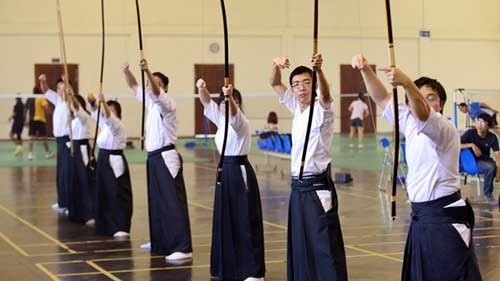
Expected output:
(9, 159)
(369, 157)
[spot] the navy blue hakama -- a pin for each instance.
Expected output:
(82, 191)
(315, 244)
(169, 227)
(237, 231)
(64, 171)
(434, 248)
(114, 196)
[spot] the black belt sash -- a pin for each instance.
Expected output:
(160, 150)
(311, 183)
(110, 151)
(434, 212)
(235, 159)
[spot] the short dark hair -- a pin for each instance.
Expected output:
(163, 78)
(486, 118)
(433, 84)
(300, 70)
(117, 106)
(462, 104)
(60, 80)
(82, 102)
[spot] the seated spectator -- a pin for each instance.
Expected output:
(481, 140)
(272, 126)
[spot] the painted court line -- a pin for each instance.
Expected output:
(103, 271)
(47, 272)
(13, 245)
(36, 229)
(211, 209)
(372, 253)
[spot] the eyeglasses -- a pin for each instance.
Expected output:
(306, 83)
(432, 98)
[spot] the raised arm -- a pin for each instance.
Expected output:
(43, 83)
(418, 104)
(203, 92)
(373, 85)
(104, 105)
(232, 104)
(325, 99)
(279, 63)
(154, 86)
(129, 77)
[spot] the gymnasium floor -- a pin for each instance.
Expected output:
(37, 243)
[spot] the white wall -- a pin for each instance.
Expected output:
(463, 51)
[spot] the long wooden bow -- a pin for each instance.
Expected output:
(100, 79)
(395, 156)
(226, 97)
(313, 93)
(66, 75)
(143, 84)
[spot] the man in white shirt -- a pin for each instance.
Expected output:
(434, 250)
(61, 127)
(169, 227)
(313, 217)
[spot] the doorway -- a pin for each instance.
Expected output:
(53, 71)
(213, 74)
(351, 83)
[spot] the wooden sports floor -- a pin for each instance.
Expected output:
(37, 243)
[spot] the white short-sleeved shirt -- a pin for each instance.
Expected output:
(318, 154)
(432, 151)
(60, 114)
(112, 134)
(161, 122)
(81, 125)
(238, 133)
(358, 109)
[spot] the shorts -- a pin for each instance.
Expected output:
(37, 129)
(17, 129)
(356, 122)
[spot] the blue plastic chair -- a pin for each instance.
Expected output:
(270, 143)
(468, 166)
(475, 109)
(261, 144)
(278, 143)
(287, 143)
